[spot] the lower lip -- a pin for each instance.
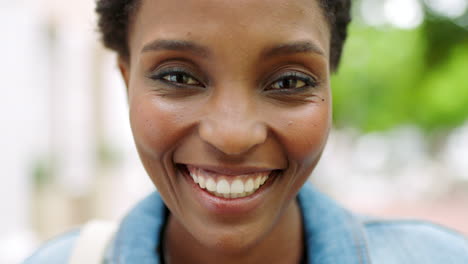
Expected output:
(225, 206)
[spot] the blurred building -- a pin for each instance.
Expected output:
(66, 142)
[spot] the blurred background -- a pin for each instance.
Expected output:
(399, 148)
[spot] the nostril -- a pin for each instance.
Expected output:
(232, 139)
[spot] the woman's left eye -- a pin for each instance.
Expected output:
(288, 83)
(293, 81)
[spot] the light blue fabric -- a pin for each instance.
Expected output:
(332, 236)
(55, 251)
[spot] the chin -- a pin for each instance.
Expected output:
(230, 241)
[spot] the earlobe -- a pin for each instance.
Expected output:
(124, 70)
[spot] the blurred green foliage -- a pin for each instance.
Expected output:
(43, 171)
(390, 77)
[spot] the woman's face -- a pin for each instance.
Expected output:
(229, 94)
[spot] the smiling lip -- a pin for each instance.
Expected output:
(232, 171)
(217, 200)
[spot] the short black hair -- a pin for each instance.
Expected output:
(114, 18)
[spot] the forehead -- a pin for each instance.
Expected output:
(243, 24)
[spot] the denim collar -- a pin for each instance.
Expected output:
(332, 234)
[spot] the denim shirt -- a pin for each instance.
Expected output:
(332, 235)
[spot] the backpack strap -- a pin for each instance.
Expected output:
(91, 245)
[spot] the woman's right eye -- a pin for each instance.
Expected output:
(176, 77)
(180, 78)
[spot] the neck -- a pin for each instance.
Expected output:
(283, 244)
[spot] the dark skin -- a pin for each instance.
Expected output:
(230, 85)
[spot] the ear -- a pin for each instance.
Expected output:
(124, 67)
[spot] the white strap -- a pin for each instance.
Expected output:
(91, 245)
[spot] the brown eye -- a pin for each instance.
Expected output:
(180, 78)
(288, 83)
(292, 81)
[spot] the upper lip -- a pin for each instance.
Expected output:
(232, 170)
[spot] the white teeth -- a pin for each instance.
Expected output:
(195, 178)
(223, 187)
(201, 182)
(237, 187)
(249, 186)
(257, 182)
(211, 185)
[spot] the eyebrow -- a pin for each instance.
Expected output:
(176, 45)
(293, 48)
(202, 51)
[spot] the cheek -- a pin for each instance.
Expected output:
(305, 132)
(156, 125)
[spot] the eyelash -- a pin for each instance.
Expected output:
(162, 74)
(309, 82)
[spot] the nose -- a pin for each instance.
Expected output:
(233, 129)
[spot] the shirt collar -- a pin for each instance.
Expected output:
(332, 234)
(138, 237)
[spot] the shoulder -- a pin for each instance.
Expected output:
(148, 214)
(343, 237)
(56, 250)
(406, 241)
